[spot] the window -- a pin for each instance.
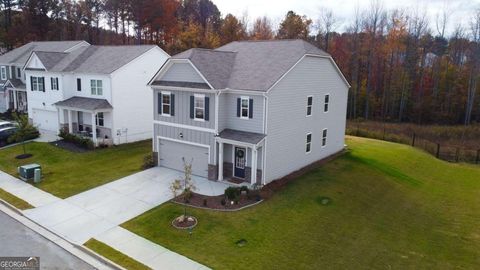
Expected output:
(99, 120)
(245, 107)
(96, 87)
(199, 107)
(54, 83)
(324, 138)
(79, 84)
(37, 84)
(308, 148)
(327, 100)
(309, 105)
(19, 73)
(3, 73)
(166, 103)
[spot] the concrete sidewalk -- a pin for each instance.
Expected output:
(145, 251)
(26, 192)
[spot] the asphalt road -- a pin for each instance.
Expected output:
(19, 241)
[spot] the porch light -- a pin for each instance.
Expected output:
(180, 135)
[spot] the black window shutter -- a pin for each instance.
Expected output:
(172, 105)
(159, 103)
(250, 108)
(31, 83)
(192, 100)
(51, 83)
(56, 84)
(238, 106)
(43, 84)
(207, 108)
(79, 84)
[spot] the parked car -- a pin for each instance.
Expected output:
(5, 124)
(5, 133)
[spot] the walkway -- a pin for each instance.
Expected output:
(97, 213)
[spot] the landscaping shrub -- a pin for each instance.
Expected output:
(148, 162)
(79, 141)
(204, 202)
(223, 202)
(232, 192)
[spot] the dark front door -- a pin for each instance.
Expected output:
(240, 158)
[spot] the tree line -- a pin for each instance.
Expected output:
(401, 66)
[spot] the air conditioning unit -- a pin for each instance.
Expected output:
(27, 172)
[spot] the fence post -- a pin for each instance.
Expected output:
(438, 150)
(457, 154)
(413, 139)
(477, 160)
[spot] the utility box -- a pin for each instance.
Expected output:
(27, 172)
(37, 175)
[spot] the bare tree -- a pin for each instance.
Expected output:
(326, 24)
(474, 65)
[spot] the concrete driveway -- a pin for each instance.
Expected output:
(91, 213)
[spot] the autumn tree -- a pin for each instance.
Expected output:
(262, 29)
(294, 26)
(232, 29)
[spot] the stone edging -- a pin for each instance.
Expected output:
(185, 228)
(219, 210)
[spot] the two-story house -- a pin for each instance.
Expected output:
(251, 110)
(13, 95)
(99, 92)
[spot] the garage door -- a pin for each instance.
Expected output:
(46, 120)
(171, 154)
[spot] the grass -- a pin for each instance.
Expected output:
(15, 201)
(114, 255)
(66, 173)
(391, 206)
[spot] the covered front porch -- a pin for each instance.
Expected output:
(16, 95)
(86, 117)
(240, 156)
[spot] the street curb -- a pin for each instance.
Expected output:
(82, 248)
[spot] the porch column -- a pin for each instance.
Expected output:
(254, 165)
(220, 161)
(70, 124)
(15, 105)
(59, 121)
(94, 129)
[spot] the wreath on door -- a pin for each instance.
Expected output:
(240, 153)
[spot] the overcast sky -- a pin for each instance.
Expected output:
(460, 10)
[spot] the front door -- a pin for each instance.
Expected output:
(240, 158)
(80, 121)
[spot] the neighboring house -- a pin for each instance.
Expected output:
(252, 110)
(13, 94)
(99, 92)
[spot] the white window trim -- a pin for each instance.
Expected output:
(327, 94)
(195, 108)
(54, 79)
(307, 143)
(326, 137)
(3, 73)
(96, 87)
(311, 107)
(34, 84)
(169, 105)
(248, 107)
(97, 119)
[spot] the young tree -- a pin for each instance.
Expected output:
(184, 185)
(25, 130)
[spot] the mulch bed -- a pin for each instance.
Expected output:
(186, 224)
(23, 156)
(215, 202)
(69, 146)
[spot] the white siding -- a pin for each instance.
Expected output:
(227, 116)
(287, 122)
(132, 98)
(182, 72)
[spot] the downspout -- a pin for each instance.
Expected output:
(265, 121)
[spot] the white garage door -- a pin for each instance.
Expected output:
(171, 154)
(46, 120)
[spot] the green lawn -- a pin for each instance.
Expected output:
(393, 207)
(114, 255)
(14, 200)
(66, 173)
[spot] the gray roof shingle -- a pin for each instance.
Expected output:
(89, 104)
(20, 55)
(249, 65)
(241, 136)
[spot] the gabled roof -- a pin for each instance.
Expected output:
(249, 65)
(20, 55)
(92, 59)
